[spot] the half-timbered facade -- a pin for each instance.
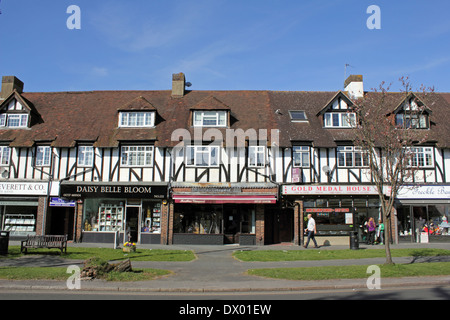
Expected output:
(211, 167)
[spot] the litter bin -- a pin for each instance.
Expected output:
(4, 242)
(354, 242)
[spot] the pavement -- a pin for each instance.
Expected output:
(216, 270)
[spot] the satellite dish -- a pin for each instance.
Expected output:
(326, 169)
(188, 84)
(5, 173)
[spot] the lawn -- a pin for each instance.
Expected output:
(353, 272)
(317, 254)
(109, 254)
(58, 273)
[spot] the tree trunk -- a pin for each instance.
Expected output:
(387, 239)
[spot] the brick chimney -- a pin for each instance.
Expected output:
(9, 84)
(354, 86)
(178, 85)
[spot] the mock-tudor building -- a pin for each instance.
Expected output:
(205, 167)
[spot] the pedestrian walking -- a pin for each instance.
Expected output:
(311, 229)
(371, 226)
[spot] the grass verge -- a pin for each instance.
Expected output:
(353, 272)
(317, 254)
(59, 273)
(80, 253)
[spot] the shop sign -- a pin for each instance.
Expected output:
(58, 202)
(424, 192)
(112, 191)
(24, 188)
(329, 189)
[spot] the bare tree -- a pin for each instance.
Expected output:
(388, 129)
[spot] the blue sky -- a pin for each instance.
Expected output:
(223, 44)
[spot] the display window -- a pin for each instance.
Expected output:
(112, 215)
(19, 220)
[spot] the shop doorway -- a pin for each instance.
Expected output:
(132, 224)
(62, 221)
(279, 226)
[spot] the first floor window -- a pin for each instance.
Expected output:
(4, 155)
(137, 156)
(256, 156)
(301, 156)
(43, 156)
(202, 156)
(85, 156)
(421, 157)
(352, 157)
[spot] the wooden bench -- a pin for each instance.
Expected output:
(49, 242)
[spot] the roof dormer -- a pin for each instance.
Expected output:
(412, 113)
(338, 112)
(210, 112)
(16, 112)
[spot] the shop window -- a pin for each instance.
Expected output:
(151, 217)
(20, 220)
(198, 219)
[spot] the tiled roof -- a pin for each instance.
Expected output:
(68, 118)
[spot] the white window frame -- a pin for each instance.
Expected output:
(421, 157)
(43, 156)
(20, 118)
(350, 156)
(137, 156)
(255, 154)
(202, 156)
(339, 120)
(136, 119)
(5, 155)
(215, 118)
(85, 156)
(301, 153)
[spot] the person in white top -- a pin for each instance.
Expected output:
(311, 229)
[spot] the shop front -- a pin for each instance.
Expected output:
(337, 209)
(132, 212)
(220, 213)
(423, 214)
(22, 207)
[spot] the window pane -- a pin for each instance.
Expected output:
(335, 119)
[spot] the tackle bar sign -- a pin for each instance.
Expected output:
(113, 191)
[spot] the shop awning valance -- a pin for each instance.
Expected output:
(219, 199)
